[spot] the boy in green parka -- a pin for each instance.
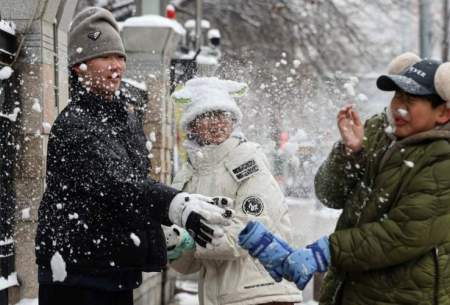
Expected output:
(391, 178)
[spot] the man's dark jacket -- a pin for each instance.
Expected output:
(100, 210)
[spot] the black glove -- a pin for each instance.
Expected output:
(199, 216)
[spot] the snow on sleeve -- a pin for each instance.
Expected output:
(58, 266)
(8, 282)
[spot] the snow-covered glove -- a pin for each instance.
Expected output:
(270, 250)
(199, 216)
(177, 241)
(300, 266)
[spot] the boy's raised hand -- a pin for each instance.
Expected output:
(351, 128)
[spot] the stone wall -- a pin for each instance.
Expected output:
(42, 78)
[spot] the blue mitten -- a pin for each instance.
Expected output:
(270, 250)
(300, 266)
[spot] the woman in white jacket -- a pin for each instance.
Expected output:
(222, 163)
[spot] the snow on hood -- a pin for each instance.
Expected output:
(206, 94)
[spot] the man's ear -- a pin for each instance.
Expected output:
(443, 115)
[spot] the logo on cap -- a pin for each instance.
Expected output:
(94, 35)
(417, 71)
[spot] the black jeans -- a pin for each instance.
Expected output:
(71, 295)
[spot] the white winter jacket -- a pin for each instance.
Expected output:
(228, 275)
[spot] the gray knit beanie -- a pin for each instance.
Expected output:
(93, 33)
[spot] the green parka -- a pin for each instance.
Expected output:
(392, 240)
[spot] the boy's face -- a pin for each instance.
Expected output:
(212, 127)
(413, 114)
(102, 75)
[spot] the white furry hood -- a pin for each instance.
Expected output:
(206, 94)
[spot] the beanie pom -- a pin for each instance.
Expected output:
(442, 81)
(403, 61)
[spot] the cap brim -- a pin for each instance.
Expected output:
(406, 84)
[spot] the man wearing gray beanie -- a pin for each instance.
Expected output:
(100, 218)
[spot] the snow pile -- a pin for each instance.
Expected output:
(8, 282)
(58, 266)
(191, 23)
(6, 72)
(154, 21)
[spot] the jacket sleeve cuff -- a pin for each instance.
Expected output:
(159, 196)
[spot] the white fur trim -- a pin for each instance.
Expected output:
(206, 94)
(442, 82)
(203, 103)
(401, 62)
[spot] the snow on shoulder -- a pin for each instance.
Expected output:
(154, 21)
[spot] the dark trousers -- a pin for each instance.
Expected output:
(69, 295)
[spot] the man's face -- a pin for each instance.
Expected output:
(102, 75)
(413, 114)
(212, 127)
